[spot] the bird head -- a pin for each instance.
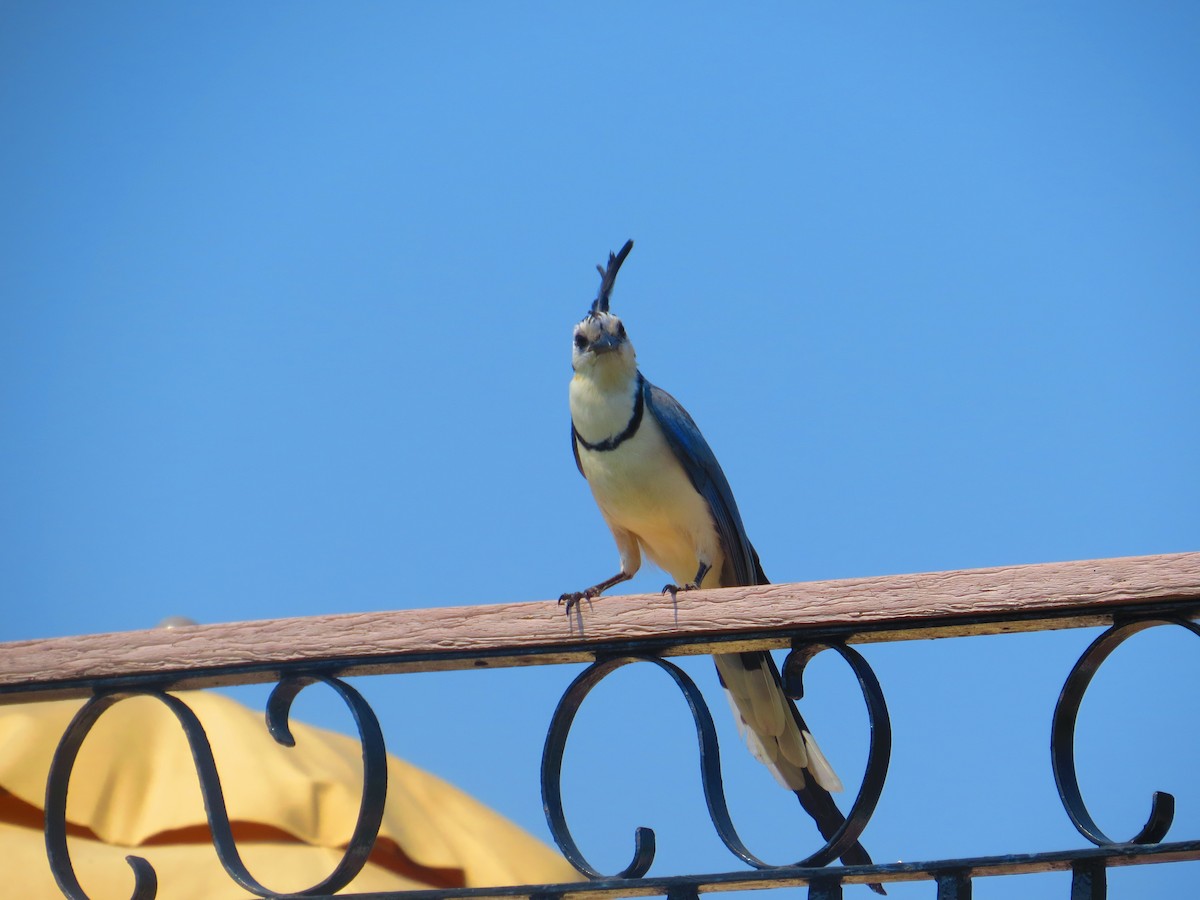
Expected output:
(600, 339)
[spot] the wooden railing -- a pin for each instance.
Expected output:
(859, 610)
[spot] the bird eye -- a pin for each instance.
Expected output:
(621, 329)
(580, 341)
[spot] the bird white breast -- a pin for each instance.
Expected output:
(641, 487)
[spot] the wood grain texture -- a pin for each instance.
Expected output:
(895, 607)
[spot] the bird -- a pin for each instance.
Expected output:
(662, 493)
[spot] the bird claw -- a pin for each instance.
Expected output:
(674, 589)
(572, 598)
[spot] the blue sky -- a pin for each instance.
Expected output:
(287, 295)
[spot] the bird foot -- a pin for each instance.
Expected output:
(674, 589)
(572, 598)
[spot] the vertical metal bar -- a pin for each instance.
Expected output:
(825, 889)
(1089, 880)
(683, 892)
(954, 885)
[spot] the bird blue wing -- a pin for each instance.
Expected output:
(575, 450)
(742, 568)
(704, 472)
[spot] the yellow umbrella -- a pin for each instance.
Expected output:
(134, 790)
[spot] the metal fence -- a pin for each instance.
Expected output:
(1127, 596)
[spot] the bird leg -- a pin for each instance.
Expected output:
(674, 589)
(571, 598)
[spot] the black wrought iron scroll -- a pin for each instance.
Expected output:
(366, 829)
(710, 761)
(1062, 737)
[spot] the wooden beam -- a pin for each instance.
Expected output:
(895, 607)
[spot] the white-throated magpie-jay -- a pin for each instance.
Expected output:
(662, 492)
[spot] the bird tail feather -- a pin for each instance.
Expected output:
(778, 737)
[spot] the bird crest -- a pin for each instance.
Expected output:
(608, 277)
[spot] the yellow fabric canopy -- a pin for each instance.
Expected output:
(134, 790)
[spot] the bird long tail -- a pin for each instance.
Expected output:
(778, 737)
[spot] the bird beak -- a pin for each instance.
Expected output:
(606, 343)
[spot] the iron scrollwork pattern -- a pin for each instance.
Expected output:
(710, 761)
(1062, 738)
(366, 829)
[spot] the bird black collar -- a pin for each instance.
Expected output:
(612, 443)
